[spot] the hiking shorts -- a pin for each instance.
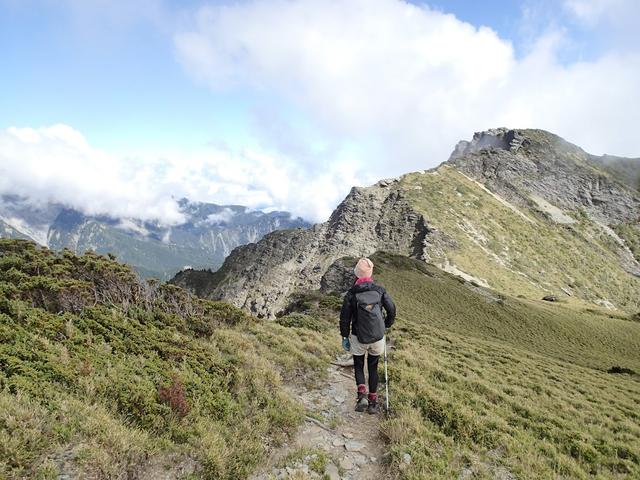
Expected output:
(357, 348)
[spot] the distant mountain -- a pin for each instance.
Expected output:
(7, 231)
(521, 211)
(208, 235)
(30, 219)
(626, 170)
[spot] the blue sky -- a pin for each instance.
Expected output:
(121, 84)
(247, 83)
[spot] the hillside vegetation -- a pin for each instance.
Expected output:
(523, 251)
(102, 376)
(491, 386)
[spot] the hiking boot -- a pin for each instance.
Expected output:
(372, 408)
(362, 404)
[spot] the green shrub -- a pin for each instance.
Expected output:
(300, 320)
(112, 371)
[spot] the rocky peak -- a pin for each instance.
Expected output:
(261, 276)
(495, 138)
(520, 163)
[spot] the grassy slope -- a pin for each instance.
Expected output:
(488, 386)
(517, 256)
(85, 351)
(481, 383)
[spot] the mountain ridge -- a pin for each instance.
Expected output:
(204, 239)
(311, 253)
(543, 169)
(463, 219)
(626, 170)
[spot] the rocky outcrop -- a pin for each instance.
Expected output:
(261, 276)
(517, 164)
(339, 276)
(530, 167)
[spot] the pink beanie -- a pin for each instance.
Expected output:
(364, 268)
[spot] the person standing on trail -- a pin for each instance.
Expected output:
(362, 326)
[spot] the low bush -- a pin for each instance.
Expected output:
(103, 372)
(301, 320)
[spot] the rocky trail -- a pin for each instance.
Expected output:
(335, 441)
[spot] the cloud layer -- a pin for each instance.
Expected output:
(412, 79)
(346, 92)
(57, 164)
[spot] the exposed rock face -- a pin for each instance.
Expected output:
(7, 231)
(261, 276)
(339, 276)
(518, 163)
(536, 167)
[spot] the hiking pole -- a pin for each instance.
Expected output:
(386, 378)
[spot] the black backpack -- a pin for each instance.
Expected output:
(368, 316)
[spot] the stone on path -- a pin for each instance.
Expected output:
(332, 471)
(360, 459)
(406, 461)
(338, 442)
(346, 463)
(353, 446)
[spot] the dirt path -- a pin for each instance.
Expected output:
(335, 440)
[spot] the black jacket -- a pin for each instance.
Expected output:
(348, 312)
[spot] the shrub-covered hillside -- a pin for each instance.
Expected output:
(104, 376)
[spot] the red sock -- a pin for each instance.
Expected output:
(373, 396)
(362, 389)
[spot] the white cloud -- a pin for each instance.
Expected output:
(357, 90)
(407, 79)
(58, 164)
(223, 216)
(132, 226)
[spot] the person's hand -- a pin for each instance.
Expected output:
(346, 344)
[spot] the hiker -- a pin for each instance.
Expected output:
(362, 326)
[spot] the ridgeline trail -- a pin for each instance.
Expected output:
(335, 441)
